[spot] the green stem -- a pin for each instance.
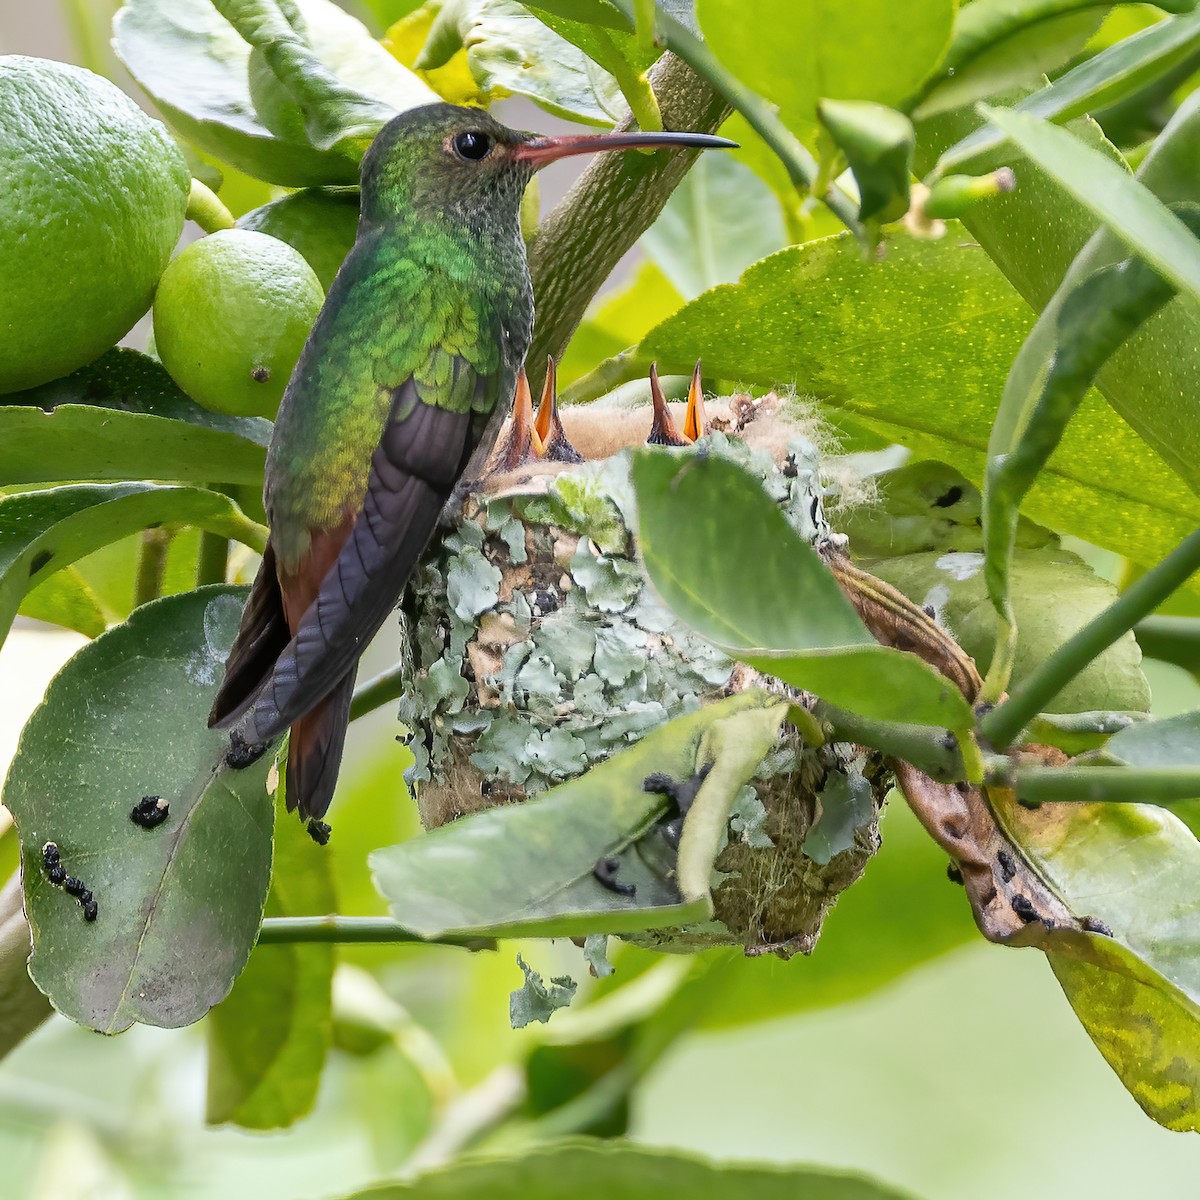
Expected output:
(152, 563)
(798, 162)
(206, 209)
(90, 45)
(375, 693)
(1171, 639)
(934, 751)
(212, 563)
(602, 378)
(634, 85)
(1035, 692)
(1098, 785)
(355, 931)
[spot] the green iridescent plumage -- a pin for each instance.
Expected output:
(399, 392)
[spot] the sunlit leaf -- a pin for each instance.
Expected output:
(1136, 869)
(1000, 43)
(267, 1040)
(66, 599)
(123, 417)
(772, 603)
(529, 869)
(178, 905)
(794, 54)
(923, 341)
(45, 530)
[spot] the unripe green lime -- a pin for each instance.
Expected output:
(92, 200)
(230, 319)
(319, 222)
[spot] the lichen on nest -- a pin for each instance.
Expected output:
(535, 648)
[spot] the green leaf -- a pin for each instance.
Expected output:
(796, 54)
(773, 604)
(1000, 43)
(196, 68)
(878, 144)
(1137, 993)
(1127, 207)
(40, 532)
(267, 1040)
(180, 904)
(619, 319)
(513, 53)
(1146, 380)
(1170, 742)
(123, 417)
(923, 340)
(527, 869)
(339, 98)
(1104, 79)
(1054, 594)
(717, 222)
(595, 1170)
(66, 599)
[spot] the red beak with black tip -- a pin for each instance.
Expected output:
(543, 150)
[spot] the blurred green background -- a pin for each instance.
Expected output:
(966, 1076)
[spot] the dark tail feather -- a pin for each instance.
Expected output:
(315, 752)
(261, 639)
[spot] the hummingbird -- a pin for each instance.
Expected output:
(398, 394)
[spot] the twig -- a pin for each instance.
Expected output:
(152, 563)
(357, 931)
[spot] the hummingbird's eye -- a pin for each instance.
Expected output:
(473, 145)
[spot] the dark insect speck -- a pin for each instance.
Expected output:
(605, 872)
(242, 753)
(950, 496)
(319, 832)
(1008, 868)
(74, 887)
(1095, 925)
(260, 374)
(90, 910)
(150, 811)
(39, 560)
(930, 611)
(50, 854)
(1024, 909)
(954, 873)
(56, 874)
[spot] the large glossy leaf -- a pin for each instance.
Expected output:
(42, 531)
(1148, 381)
(180, 904)
(718, 221)
(1099, 81)
(924, 538)
(600, 1170)
(511, 52)
(795, 54)
(916, 348)
(267, 1040)
(528, 869)
(196, 68)
(725, 560)
(1000, 43)
(1129, 209)
(1136, 869)
(123, 417)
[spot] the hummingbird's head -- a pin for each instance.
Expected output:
(442, 158)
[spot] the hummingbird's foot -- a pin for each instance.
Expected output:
(242, 753)
(663, 430)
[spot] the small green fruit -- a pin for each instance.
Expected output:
(231, 317)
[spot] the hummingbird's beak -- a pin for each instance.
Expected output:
(543, 150)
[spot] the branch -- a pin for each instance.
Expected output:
(375, 693)
(611, 205)
(355, 930)
(22, 1007)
